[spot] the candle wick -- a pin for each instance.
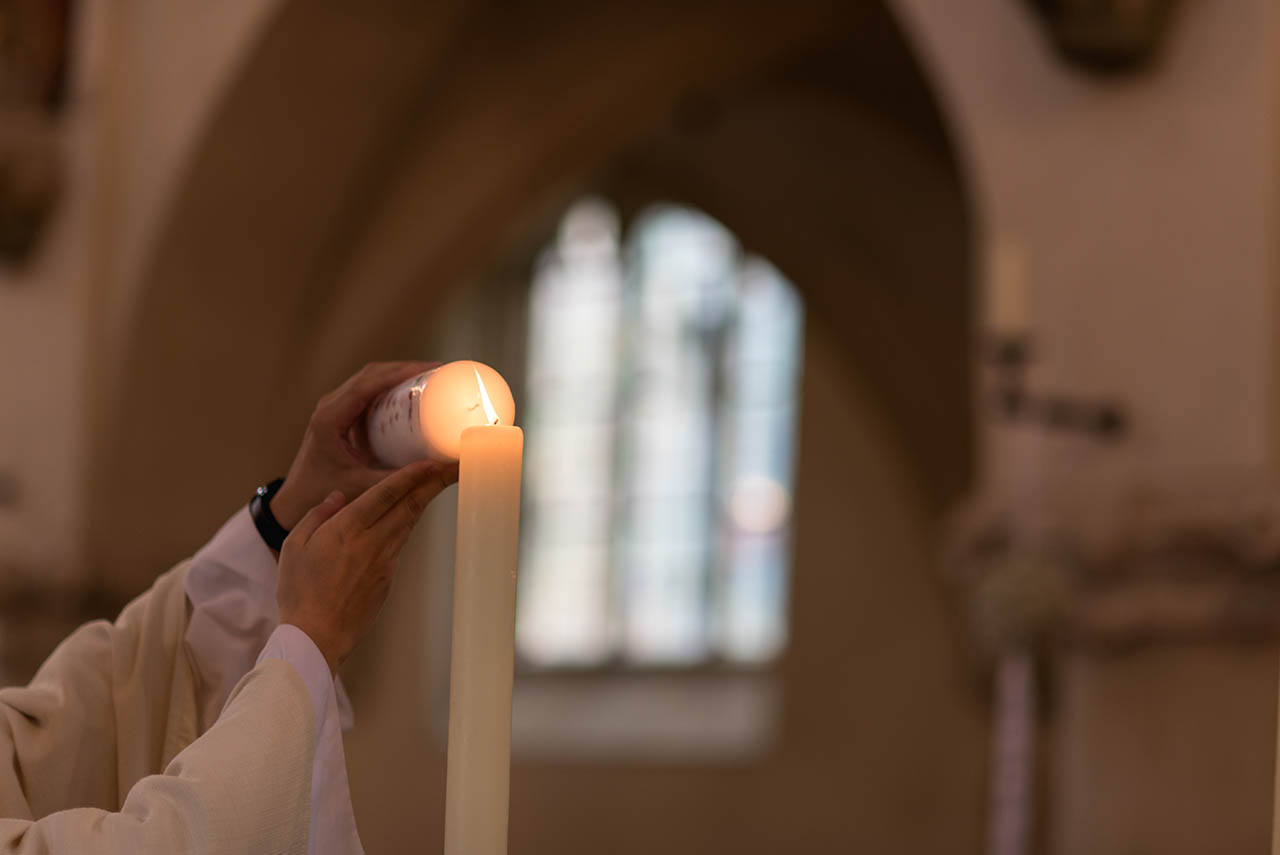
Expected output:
(477, 406)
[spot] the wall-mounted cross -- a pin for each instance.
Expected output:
(1009, 357)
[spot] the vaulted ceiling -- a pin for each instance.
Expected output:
(369, 155)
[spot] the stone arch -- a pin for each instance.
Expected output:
(367, 155)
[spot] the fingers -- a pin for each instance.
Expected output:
(394, 529)
(397, 523)
(315, 517)
(357, 441)
(379, 499)
(342, 406)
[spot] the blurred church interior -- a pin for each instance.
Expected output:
(899, 380)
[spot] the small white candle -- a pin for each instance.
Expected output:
(424, 417)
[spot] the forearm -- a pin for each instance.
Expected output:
(245, 786)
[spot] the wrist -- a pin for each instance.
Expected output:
(286, 507)
(322, 644)
(273, 534)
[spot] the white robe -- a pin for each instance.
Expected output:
(106, 753)
(231, 586)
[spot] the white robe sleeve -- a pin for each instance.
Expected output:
(244, 787)
(333, 826)
(231, 585)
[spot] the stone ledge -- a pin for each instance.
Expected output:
(1113, 571)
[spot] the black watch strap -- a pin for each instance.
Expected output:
(265, 521)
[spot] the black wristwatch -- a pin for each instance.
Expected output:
(265, 521)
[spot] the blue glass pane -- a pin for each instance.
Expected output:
(764, 364)
(575, 307)
(660, 427)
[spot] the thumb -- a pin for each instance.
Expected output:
(316, 517)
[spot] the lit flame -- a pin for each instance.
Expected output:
(489, 412)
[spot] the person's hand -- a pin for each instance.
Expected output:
(337, 564)
(335, 454)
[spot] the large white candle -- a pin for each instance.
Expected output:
(484, 611)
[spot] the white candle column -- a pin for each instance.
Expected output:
(484, 608)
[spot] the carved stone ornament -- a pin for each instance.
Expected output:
(1105, 35)
(29, 184)
(1119, 570)
(35, 45)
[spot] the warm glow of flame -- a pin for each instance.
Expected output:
(489, 412)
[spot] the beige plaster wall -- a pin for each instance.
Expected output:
(1166, 749)
(1144, 207)
(145, 77)
(167, 66)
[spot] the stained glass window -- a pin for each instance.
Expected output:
(660, 411)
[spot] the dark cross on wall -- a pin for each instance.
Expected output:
(1010, 356)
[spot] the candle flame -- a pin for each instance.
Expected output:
(489, 412)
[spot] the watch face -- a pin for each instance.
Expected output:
(260, 512)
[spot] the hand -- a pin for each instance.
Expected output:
(335, 454)
(337, 564)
